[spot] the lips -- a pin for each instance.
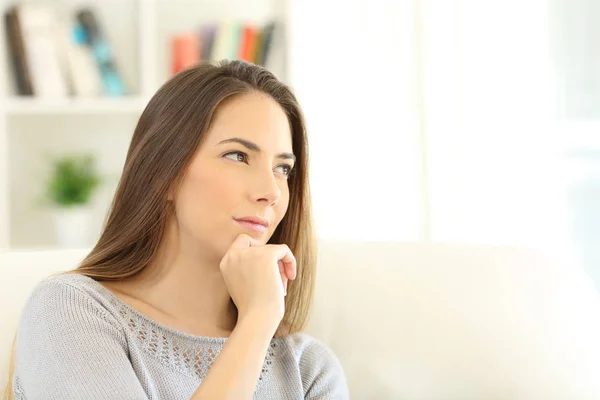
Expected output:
(255, 224)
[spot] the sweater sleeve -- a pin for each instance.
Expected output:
(69, 347)
(322, 374)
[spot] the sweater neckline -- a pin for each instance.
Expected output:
(120, 304)
(189, 354)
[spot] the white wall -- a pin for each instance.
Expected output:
(353, 68)
(492, 122)
(476, 160)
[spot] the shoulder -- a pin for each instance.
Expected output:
(63, 309)
(68, 282)
(68, 332)
(65, 282)
(304, 346)
(67, 296)
(321, 371)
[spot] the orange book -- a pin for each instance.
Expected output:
(185, 52)
(249, 41)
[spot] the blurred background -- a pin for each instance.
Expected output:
(471, 121)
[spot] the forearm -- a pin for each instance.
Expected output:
(237, 368)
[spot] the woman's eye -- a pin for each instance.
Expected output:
(284, 169)
(236, 156)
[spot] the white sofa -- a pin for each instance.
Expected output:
(415, 321)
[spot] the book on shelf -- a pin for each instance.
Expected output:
(225, 40)
(111, 79)
(16, 50)
(56, 58)
(80, 63)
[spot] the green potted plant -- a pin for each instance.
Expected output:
(70, 189)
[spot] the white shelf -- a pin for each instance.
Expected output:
(31, 106)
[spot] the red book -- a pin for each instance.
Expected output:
(185, 52)
(248, 43)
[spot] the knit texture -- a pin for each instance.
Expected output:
(77, 340)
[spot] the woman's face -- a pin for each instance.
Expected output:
(237, 181)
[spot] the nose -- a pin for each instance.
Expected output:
(265, 188)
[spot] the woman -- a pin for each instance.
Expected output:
(201, 280)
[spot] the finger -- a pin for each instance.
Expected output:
(285, 255)
(254, 242)
(241, 242)
(291, 271)
(282, 275)
(289, 261)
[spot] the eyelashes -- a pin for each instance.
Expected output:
(239, 156)
(286, 168)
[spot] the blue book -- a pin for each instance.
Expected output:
(111, 79)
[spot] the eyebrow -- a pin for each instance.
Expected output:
(254, 147)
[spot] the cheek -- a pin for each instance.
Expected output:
(204, 199)
(282, 207)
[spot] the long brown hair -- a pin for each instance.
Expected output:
(165, 139)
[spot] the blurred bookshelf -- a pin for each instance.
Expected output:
(83, 87)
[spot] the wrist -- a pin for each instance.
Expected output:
(259, 320)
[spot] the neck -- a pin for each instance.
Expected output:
(186, 285)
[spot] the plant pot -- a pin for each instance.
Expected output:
(72, 226)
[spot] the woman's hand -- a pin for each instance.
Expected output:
(256, 276)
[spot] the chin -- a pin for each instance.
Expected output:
(262, 238)
(220, 245)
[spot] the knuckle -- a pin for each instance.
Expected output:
(284, 247)
(224, 262)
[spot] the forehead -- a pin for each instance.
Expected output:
(251, 116)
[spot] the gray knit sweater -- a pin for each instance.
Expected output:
(77, 340)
